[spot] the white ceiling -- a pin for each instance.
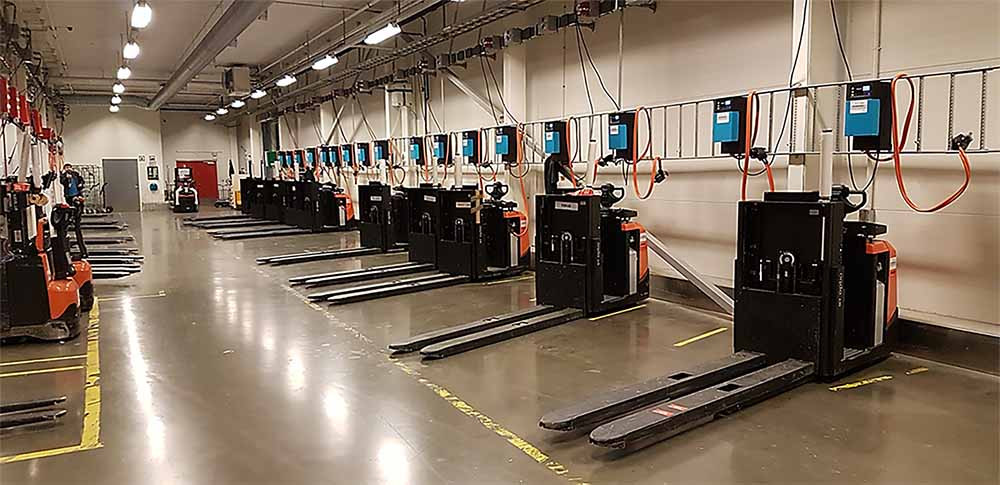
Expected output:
(86, 34)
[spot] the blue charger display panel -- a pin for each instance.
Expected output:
(727, 116)
(555, 137)
(439, 148)
(868, 117)
(311, 157)
(345, 153)
(363, 156)
(620, 126)
(861, 118)
(334, 154)
(381, 149)
(470, 146)
(324, 156)
(506, 144)
(417, 150)
(726, 126)
(502, 144)
(298, 157)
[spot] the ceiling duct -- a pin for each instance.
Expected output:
(232, 23)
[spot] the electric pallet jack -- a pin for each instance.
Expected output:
(473, 241)
(591, 258)
(815, 300)
(41, 299)
(185, 195)
(383, 213)
(423, 207)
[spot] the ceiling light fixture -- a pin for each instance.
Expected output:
(116, 99)
(238, 103)
(209, 117)
(124, 72)
(141, 14)
(114, 108)
(131, 50)
(325, 62)
(221, 111)
(258, 93)
(383, 34)
(118, 88)
(287, 80)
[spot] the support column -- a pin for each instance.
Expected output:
(819, 61)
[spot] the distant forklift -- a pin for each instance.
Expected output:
(185, 193)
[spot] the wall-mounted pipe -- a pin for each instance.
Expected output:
(232, 23)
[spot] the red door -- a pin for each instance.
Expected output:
(206, 177)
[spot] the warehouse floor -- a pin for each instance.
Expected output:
(211, 370)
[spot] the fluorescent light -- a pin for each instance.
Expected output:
(116, 99)
(124, 72)
(209, 117)
(381, 35)
(287, 80)
(238, 103)
(118, 88)
(222, 110)
(131, 50)
(258, 93)
(114, 108)
(141, 14)
(325, 62)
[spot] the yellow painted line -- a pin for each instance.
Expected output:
(46, 359)
(524, 446)
(619, 312)
(916, 370)
(160, 294)
(863, 382)
(700, 337)
(90, 435)
(511, 280)
(485, 421)
(41, 371)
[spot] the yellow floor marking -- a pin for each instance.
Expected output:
(160, 294)
(46, 359)
(619, 312)
(916, 370)
(863, 382)
(700, 337)
(90, 436)
(41, 371)
(527, 448)
(465, 408)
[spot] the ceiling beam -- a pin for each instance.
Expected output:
(232, 23)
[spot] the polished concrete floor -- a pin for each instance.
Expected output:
(213, 370)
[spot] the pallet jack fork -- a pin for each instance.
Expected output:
(815, 299)
(16, 415)
(591, 259)
(454, 231)
(382, 224)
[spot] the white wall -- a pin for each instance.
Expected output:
(186, 136)
(92, 133)
(949, 262)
